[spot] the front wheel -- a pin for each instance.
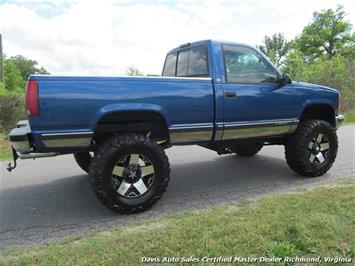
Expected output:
(129, 173)
(312, 150)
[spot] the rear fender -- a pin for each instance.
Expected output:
(128, 107)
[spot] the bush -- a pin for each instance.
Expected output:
(13, 78)
(12, 109)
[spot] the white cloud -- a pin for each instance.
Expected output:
(105, 37)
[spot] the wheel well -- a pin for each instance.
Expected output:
(143, 122)
(319, 111)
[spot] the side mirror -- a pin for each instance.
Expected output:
(285, 79)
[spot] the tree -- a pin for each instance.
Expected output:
(134, 71)
(276, 48)
(13, 79)
(294, 64)
(27, 66)
(329, 34)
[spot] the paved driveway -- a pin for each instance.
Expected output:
(51, 198)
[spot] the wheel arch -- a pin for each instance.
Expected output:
(320, 111)
(138, 118)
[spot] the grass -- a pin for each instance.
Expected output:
(309, 224)
(349, 116)
(5, 148)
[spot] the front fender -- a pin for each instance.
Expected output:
(315, 101)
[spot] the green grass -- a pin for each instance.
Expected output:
(311, 224)
(5, 148)
(349, 117)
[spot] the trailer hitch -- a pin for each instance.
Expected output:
(11, 167)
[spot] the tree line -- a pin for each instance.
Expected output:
(327, 36)
(324, 53)
(16, 71)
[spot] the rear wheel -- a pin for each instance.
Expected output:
(129, 173)
(247, 150)
(312, 150)
(83, 159)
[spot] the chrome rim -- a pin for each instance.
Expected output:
(133, 175)
(318, 149)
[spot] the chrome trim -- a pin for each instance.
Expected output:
(67, 134)
(259, 129)
(203, 132)
(339, 119)
(185, 137)
(191, 126)
(22, 147)
(62, 143)
(36, 155)
(262, 123)
(219, 131)
(63, 140)
(293, 128)
(190, 133)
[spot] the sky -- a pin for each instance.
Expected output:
(104, 38)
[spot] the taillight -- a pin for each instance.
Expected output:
(32, 100)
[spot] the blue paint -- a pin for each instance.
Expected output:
(74, 104)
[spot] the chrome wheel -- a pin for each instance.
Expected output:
(133, 175)
(318, 149)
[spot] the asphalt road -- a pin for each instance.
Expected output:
(51, 198)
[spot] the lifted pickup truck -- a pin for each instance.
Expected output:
(223, 96)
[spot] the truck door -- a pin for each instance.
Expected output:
(254, 103)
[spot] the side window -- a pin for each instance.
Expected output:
(193, 62)
(169, 66)
(183, 61)
(244, 65)
(198, 65)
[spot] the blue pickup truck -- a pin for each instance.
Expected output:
(223, 96)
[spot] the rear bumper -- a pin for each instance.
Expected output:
(339, 119)
(19, 137)
(21, 141)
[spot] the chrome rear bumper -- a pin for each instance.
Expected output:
(19, 138)
(339, 119)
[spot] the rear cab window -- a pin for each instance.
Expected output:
(190, 62)
(170, 65)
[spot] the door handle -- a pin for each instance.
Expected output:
(230, 94)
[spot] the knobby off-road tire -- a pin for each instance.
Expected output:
(312, 150)
(247, 150)
(83, 159)
(129, 173)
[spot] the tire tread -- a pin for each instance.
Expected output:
(107, 150)
(294, 148)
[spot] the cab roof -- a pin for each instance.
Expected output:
(208, 41)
